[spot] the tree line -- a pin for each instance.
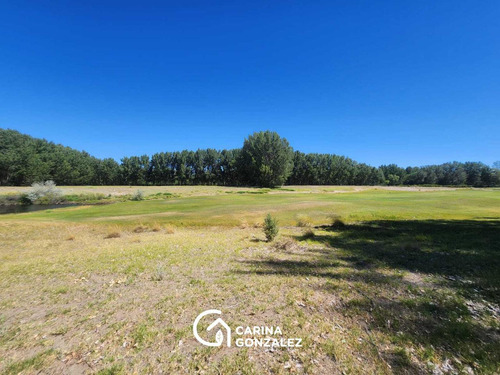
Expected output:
(265, 159)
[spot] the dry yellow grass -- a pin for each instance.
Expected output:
(87, 299)
(215, 190)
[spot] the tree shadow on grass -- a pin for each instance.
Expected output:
(466, 252)
(447, 314)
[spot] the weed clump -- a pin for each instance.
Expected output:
(159, 273)
(303, 221)
(271, 228)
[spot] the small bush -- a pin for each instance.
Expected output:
(303, 221)
(270, 227)
(24, 199)
(138, 196)
(44, 193)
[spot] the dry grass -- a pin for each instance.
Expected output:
(308, 234)
(156, 227)
(210, 190)
(140, 229)
(288, 245)
(127, 305)
(304, 221)
(169, 229)
(378, 297)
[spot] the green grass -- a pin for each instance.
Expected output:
(33, 363)
(234, 209)
(409, 284)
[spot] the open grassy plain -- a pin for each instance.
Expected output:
(405, 281)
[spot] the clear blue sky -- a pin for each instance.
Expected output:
(410, 82)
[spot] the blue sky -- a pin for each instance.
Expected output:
(413, 83)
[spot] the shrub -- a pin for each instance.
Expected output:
(270, 227)
(44, 193)
(138, 195)
(24, 199)
(303, 221)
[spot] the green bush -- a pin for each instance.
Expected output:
(270, 227)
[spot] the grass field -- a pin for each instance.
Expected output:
(405, 281)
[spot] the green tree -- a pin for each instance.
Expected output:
(135, 170)
(394, 175)
(266, 160)
(271, 228)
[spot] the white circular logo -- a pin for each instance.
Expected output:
(219, 336)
